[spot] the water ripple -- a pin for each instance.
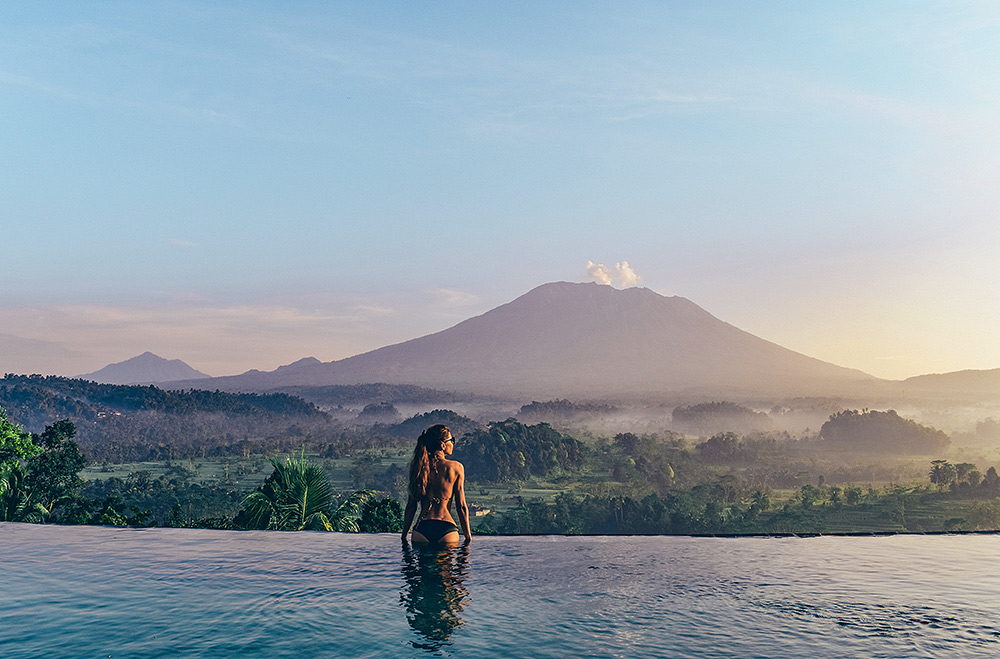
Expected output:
(89, 592)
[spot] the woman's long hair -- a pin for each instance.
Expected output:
(428, 444)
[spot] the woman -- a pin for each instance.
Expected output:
(434, 482)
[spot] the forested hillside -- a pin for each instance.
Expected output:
(117, 423)
(534, 478)
(45, 395)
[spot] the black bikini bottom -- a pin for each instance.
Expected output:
(435, 529)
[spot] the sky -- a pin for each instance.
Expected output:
(240, 185)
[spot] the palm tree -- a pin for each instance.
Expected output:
(16, 504)
(297, 496)
(294, 497)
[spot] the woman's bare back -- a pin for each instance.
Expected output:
(440, 490)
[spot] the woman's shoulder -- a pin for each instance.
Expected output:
(455, 465)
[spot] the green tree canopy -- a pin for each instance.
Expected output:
(15, 443)
(508, 450)
(53, 474)
(37, 472)
(882, 432)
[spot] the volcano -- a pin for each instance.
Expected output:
(578, 340)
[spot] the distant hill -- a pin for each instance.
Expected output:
(578, 340)
(146, 368)
(962, 383)
(44, 391)
(124, 423)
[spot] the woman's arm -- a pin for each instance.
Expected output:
(408, 514)
(461, 505)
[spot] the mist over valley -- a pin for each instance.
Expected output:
(621, 356)
(569, 390)
(595, 359)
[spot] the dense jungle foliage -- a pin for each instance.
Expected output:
(521, 478)
(872, 431)
(40, 482)
(508, 450)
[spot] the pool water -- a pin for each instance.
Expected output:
(109, 592)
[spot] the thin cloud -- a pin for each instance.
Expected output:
(449, 297)
(370, 310)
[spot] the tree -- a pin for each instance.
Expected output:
(723, 447)
(16, 503)
(943, 473)
(962, 470)
(15, 444)
(297, 496)
(871, 431)
(760, 503)
(412, 427)
(379, 412)
(628, 442)
(990, 484)
(809, 495)
(833, 495)
(988, 429)
(37, 472)
(53, 475)
(705, 418)
(728, 488)
(508, 450)
(347, 516)
(381, 516)
(294, 497)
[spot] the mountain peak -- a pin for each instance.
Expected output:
(304, 363)
(586, 288)
(565, 339)
(147, 368)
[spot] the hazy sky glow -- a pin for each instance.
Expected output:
(243, 185)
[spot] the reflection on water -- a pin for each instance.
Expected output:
(168, 593)
(434, 592)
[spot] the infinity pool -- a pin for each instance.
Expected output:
(108, 592)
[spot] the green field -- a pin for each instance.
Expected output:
(246, 474)
(238, 473)
(885, 508)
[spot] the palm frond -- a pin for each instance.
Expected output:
(318, 521)
(347, 517)
(16, 503)
(295, 497)
(260, 510)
